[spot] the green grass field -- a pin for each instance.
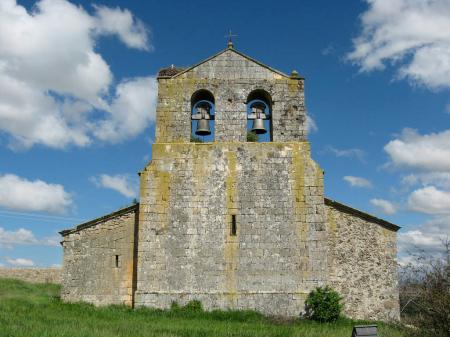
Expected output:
(34, 310)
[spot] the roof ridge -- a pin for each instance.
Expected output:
(361, 214)
(95, 221)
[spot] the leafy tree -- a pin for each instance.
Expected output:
(425, 294)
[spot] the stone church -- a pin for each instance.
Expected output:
(230, 220)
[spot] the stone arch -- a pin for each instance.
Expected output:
(202, 116)
(259, 104)
(202, 95)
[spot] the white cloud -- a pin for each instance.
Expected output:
(21, 194)
(52, 79)
(410, 180)
(410, 34)
(20, 237)
(53, 241)
(428, 157)
(384, 206)
(115, 21)
(20, 262)
(311, 125)
(123, 184)
(430, 200)
(358, 181)
(428, 238)
(439, 179)
(417, 238)
(425, 152)
(25, 237)
(129, 113)
(31, 116)
(348, 153)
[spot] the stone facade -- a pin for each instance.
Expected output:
(232, 223)
(190, 193)
(34, 275)
(99, 259)
(362, 263)
(230, 77)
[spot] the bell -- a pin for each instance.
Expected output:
(203, 127)
(258, 126)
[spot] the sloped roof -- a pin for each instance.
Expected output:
(98, 220)
(229, 49)
(337, 205)
(363, 215)
(170, 71)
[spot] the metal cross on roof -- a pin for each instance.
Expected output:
(230, 36)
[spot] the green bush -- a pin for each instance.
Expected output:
(323, 304)
(193, 305)
(252, 137)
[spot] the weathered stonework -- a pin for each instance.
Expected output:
(178, 243)
(99, 260)
(230, 77)
(362, 263)
(34, 275)
(188, 195)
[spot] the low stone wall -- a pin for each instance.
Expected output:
(35, 275)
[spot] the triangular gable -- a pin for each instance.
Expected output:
(229, 55)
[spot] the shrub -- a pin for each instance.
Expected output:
(323, 304)
(190, 307)
(425, 293)
(193, 305)
(252, 137)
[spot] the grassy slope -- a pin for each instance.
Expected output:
(34, 310)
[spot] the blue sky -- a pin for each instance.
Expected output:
(77, 97)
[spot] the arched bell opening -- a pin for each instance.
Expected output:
(259, 116)
(202, 117)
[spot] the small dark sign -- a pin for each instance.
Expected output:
(365, 330)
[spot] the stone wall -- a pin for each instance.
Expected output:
(34, 275)
(230, 77)
(288, 239)
(189, 196)
(362, 263)
(98, 262)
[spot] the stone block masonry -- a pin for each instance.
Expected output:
(233, 224)
(34, 275)
(230, 77)
(190, 194)
(99, 259)
(362, 263)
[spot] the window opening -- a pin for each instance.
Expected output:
(259, 117)
(233, 225)
(202, 117)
